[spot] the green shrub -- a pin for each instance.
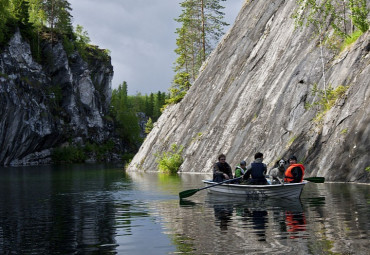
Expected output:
(291, 141)
(69, 154)
(326, 99)
(351, 39)
(175, 99)
(148, 126)
(68, 45)
(127, 157)
(100, 150)
(170, 162)
(79, 154)
(344, 131)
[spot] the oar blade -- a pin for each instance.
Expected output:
(188, 193)
(315, 179)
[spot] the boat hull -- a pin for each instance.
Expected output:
(287, 190)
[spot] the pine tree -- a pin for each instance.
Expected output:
(19, 10)
(150, 109)
(202, 27)
(149, 126)
(124, 115)
(359, 14)
(37, 18)
(4, 16)
(58, 16)
(159, 102)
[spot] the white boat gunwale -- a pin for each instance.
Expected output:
(289, 190)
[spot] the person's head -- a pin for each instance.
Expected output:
(243, 163)
(293, 160)
(258, 155)
(222, 158)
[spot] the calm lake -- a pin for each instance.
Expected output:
(100, 209)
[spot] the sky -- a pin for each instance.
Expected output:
(140, 35)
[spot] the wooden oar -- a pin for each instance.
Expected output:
(315, 179)
(190, 192)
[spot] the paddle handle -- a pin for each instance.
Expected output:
(219, 183)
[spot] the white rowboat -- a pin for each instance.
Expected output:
(286, 190)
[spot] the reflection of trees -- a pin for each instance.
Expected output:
(48, 210)
(150, 181)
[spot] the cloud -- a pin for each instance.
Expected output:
(140, 35)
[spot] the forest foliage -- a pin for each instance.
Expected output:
(40, 20)
(125, 110)
(336, 22)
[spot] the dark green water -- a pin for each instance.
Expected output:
(97, 209)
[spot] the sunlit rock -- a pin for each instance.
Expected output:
(251, 96)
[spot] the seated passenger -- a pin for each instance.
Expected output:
(222, 170)
(256, 171)
(294, 172)
(240, 170)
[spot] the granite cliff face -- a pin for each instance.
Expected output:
(251, 96)
(45, 105)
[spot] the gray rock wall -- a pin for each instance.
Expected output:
(251, 96)
(45, 105)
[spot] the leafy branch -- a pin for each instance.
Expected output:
(326, 99)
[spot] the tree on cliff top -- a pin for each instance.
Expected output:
(58, 16)
(40, 20)
(340, 15)
(4, 16)
(201, 28)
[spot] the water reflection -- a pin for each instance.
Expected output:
(255, 214)
(223, 214)
(53, 209)
(97, 210)
(328, 219)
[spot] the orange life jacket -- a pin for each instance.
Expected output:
(288, 173)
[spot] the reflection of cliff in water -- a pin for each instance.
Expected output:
(339, 216)
(327, 218)
(43, 213)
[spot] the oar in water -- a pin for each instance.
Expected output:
(190, 192)
(315, 179)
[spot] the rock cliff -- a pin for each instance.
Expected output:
(42, 106)
(251, 95)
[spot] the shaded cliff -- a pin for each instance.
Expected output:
(251, 95)
(43, 105)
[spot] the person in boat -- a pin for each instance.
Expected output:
(240, 170)
(222, 170)
(294, 172)
(255, 172)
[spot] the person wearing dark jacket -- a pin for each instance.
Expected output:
(222, 170)
(255, 172)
